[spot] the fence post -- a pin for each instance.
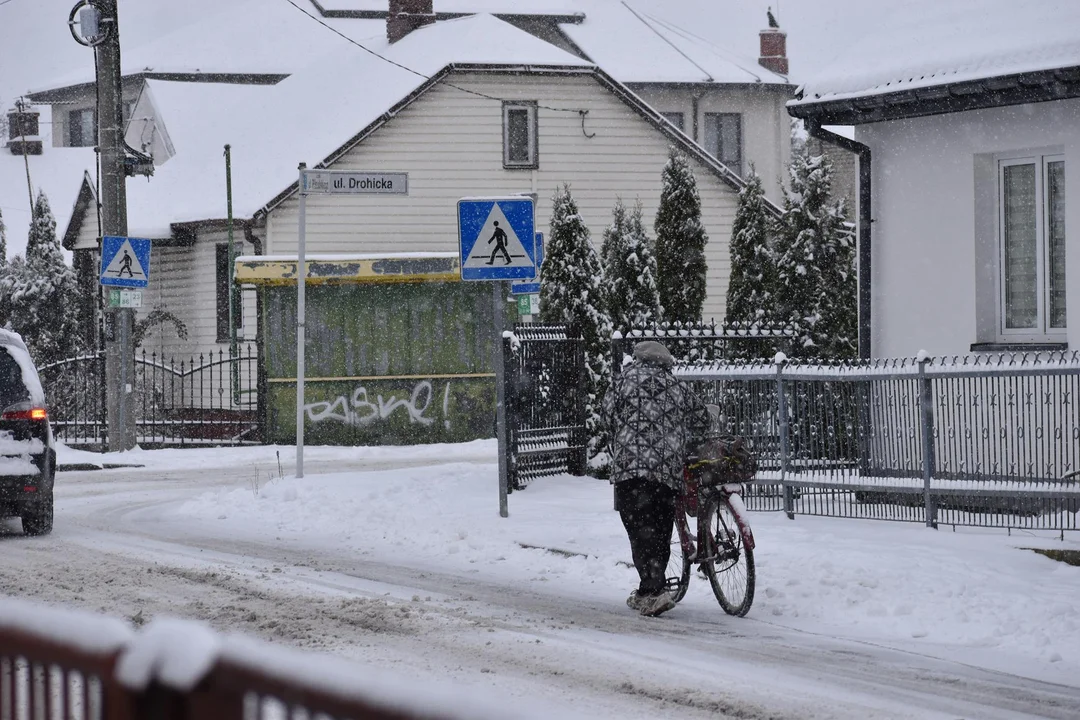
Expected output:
(782, 415)
(510, 379)
(926, 416)
(578, 462)
(617, 343)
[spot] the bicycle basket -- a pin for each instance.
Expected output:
(723, 459)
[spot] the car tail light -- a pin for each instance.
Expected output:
(28, 414)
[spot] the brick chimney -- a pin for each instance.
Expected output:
(407, 15)
(773, 47)
(23, 133)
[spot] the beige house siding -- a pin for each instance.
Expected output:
(183, 282)
(766, 127)
(623, 157)
(87, 238)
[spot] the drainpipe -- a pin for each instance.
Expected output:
(865, 221)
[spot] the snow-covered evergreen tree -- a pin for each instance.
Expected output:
(3, 241)
(750, 291)
(3, 272)
(571, 293)
(680, 243)
(629, 270)
(42, 293)
(816, 263)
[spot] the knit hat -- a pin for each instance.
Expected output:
(651, 352)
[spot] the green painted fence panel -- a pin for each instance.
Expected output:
(385, 363)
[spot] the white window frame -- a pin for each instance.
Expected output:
(714, 145)
(1042, 332)
(533, 160)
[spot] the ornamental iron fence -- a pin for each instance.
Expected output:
(545, 403)
(208, 399)
(981, 440)
(707, 342)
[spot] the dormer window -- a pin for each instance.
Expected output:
(519, 135)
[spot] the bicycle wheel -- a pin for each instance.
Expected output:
(731, 570)
(678, 569)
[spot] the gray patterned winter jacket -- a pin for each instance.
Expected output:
(655, 420)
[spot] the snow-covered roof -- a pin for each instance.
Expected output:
(524, 7)
(936, 43)
(248, 37)
(635, 46)
(271, 130)
(57, 171)
(257, 37)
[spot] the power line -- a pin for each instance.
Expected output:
(409, 69)
(4, 2)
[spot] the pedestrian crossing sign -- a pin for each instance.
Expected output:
(125, 262)
(497, 238)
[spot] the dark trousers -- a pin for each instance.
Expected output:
(647, 510)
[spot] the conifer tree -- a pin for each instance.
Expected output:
(3, 242)
(750, 298)
(42, 293)
(680, 243)
(629, 271)
(571, 293)
(816, 263)
(3, 272)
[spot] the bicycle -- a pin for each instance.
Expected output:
(722, 547)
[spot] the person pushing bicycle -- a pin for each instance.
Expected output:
(656, 421)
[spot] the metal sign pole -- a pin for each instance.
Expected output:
(301, 283)
(498, 295)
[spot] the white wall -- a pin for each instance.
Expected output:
(927, 225)
(766, 125)
(450, 143)
(183, 282)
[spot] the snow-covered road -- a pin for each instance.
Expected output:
(506, 624)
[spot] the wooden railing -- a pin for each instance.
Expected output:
(180, 670)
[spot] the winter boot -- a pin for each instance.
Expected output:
(653, 605)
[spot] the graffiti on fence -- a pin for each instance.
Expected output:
(358, 409)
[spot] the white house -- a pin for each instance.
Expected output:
(469, 105)
(967, 124)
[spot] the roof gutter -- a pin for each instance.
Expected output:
(866, 220)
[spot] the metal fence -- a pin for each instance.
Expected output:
(208, 399)
(707, 342)
(981, 440)
(545, 403)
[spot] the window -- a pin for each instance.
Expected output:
(675, 118)
(82, 128)
(723, 138)
(519, 135)
(1031, 200)
(223, 288)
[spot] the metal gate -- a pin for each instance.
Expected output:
(545, 403)
(210, 399)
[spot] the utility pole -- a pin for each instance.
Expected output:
(119, 354)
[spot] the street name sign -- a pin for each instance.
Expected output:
(125, 262)
(497, 238)
(347, 182)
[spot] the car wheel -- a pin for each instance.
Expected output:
(39, 519)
